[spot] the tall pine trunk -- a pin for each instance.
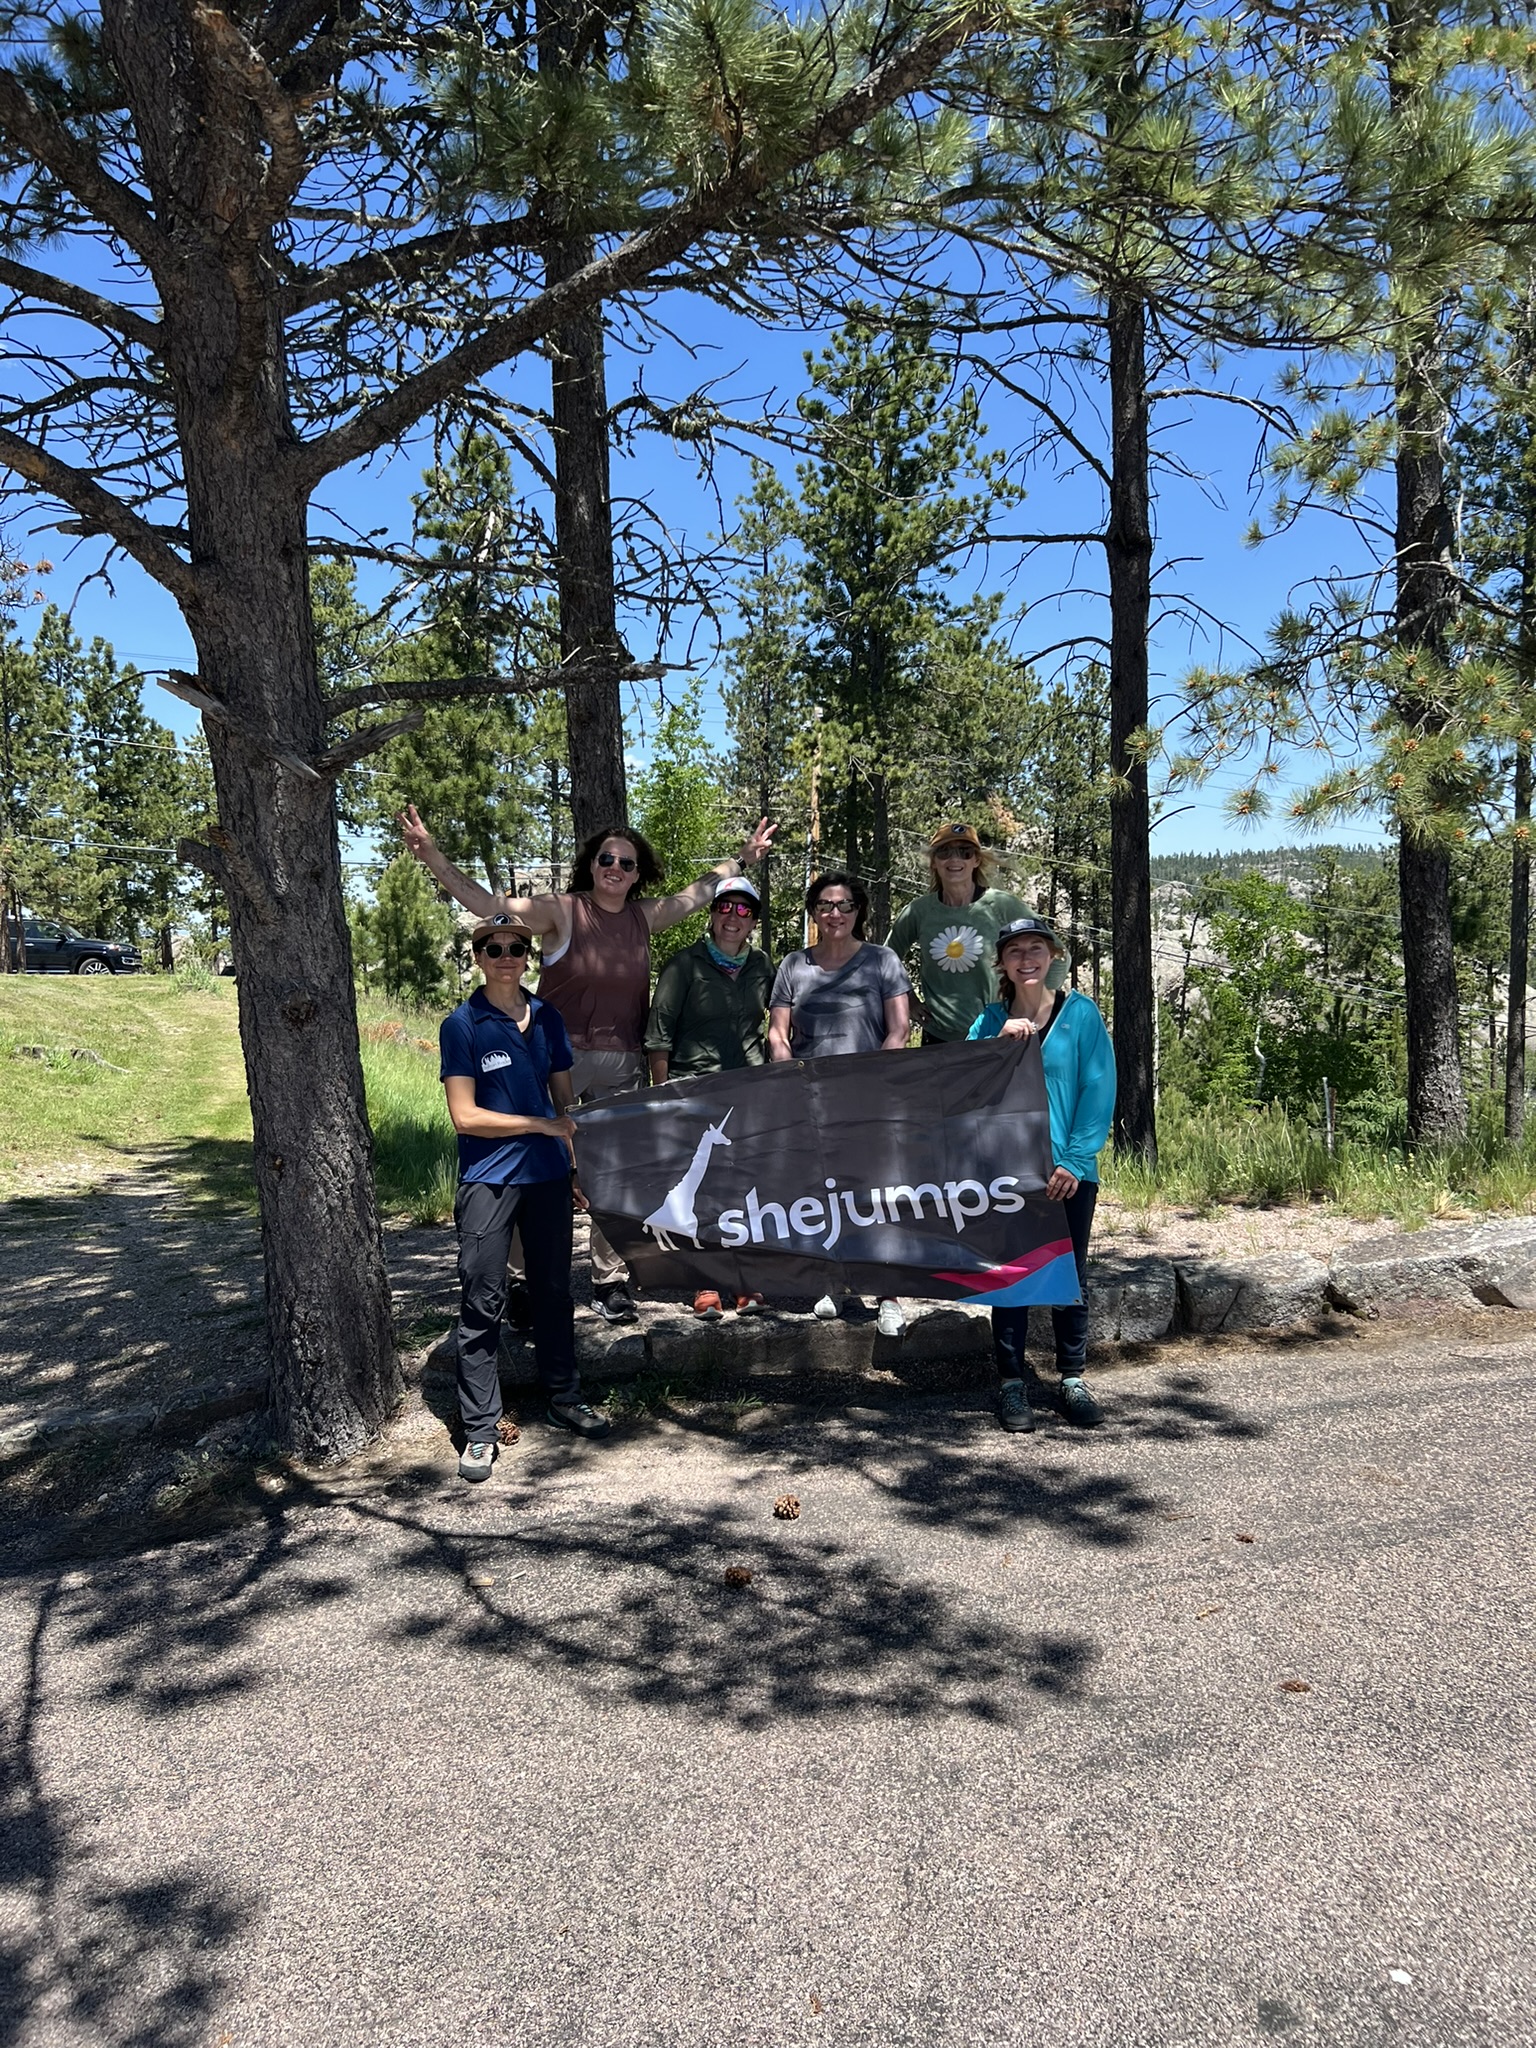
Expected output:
(1519, 951)
(594, 712)
(1437, 1104)
(335, 1377)
(274, 849)
(584, 575)
(1128, 548)
(880, 854)
(1425, 607)
(1520, 859)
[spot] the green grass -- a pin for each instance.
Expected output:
(1262, 1156)
(415, 1153)
(181, 1093)
(181, 1098)
(181, 1084)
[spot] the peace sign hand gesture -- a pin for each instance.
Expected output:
(418, 840)
(758, 843)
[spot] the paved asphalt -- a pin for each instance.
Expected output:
(993, 1749)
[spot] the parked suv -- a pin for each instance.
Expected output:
(54, 948)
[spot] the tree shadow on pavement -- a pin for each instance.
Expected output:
(645, 1612)
(128, 1292)
(134, 1962)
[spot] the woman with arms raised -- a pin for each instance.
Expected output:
(596, 966)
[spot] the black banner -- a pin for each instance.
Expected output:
(916, 1173)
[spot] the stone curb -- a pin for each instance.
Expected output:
(1131, 1300)
(186, 1415)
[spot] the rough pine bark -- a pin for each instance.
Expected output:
(570, 36)
(1519, 952)
(1128, 550)
(335, 1376)
(1437, 1103)
(594, 712)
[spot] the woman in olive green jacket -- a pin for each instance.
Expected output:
(707, 1016)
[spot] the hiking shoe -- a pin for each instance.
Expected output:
(476, 1460)
(519, 1309)
(749, 1304)
(890, 1322)
(1013, 1409)
(828, 1309)
(615, 1305)
(577, 1417)
(706, 1303)
(1077, 1404)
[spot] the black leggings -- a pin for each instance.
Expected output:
(1010, 1326)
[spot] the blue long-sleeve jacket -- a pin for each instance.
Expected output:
(1079, 1080)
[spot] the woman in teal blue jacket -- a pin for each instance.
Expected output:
(1079, 1066)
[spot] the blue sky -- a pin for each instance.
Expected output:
(1201, 520)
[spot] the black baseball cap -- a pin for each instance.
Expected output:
(1028, 928)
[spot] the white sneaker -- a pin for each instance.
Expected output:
(890, 1322)
(828, 1309)
(475, 1462)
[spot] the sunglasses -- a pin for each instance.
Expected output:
(626, 861)
(833, 910)
(514, 949)
(735, 910)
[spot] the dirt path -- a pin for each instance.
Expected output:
(138, 1289)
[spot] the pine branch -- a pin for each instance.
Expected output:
(362, 744)
(74, 298)
(37, 132)
(229, 56)
(103, 513)
(228, 869)
(638, 257)
(521, 682)
(405, 262)
(182, 686)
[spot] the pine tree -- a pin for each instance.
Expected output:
(767, 711)
(255, 185)
(896, 490)
(1427, 208)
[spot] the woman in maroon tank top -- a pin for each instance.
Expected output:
(596, 966)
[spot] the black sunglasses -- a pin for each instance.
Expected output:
(626, 861)
(836, 908)
(515, 949)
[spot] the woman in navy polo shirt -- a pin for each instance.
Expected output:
(506, 1068)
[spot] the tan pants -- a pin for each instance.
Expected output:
(595, 1073)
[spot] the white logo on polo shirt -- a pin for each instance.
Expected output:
(493, 1060)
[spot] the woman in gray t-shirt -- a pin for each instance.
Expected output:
(841, 995)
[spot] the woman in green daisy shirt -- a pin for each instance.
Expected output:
(952, 933)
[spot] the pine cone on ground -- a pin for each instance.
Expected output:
(787, 1507)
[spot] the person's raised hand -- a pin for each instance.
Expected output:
(418, 840)
(757, 843)
(561, 1127)
(1018, 1027)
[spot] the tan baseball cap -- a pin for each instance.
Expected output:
(955, 835)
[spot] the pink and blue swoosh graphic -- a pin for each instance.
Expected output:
(1047, 1275)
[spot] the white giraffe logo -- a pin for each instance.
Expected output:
(676, 1211)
